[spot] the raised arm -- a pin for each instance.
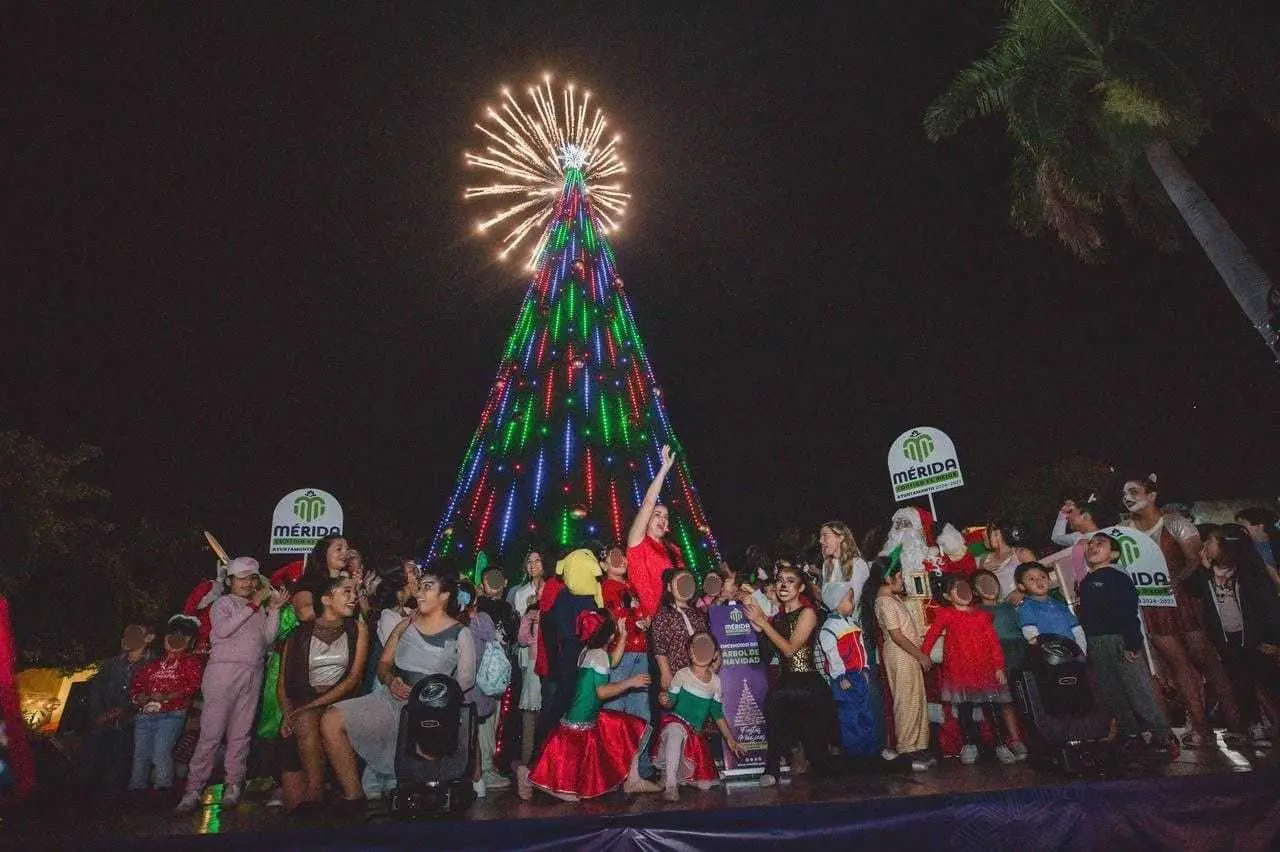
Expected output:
(641, 523)
(1060, 535)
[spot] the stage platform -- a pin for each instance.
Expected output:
(1206, 800)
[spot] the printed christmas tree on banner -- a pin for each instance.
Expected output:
(570, 435)
(748, 720)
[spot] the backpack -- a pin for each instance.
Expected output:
(494, 672)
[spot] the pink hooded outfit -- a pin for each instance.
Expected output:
(240, 635)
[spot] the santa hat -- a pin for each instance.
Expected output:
(834, 592)
(923, 522)
(287, 573)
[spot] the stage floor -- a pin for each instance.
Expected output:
(62, 823)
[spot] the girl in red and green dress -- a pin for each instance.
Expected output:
(592, 751)
(693, 697)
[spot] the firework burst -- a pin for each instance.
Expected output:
(528, 152)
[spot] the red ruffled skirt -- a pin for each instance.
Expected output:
(696, 763)
(590, 759)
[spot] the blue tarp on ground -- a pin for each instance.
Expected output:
(1206, 812)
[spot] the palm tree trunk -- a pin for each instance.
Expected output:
(1240, 272)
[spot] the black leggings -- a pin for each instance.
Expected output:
(1249, 671)
(557, 696)
(971, 727)
(799, 709)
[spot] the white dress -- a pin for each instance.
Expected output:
(530, 684)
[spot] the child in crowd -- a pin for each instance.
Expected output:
(592, 751)
(108, 747)
(484, 632)
(680, 753)
(1040, 614)
(719, 587)
(1109, 616)
(524, 600)
(161, 693)
(847, 671)
(1242, 619)
(676, 623)
(1004, 619)
(623, 603)
(972, 665)
(241, 632)
(496, 731)
(905, 663)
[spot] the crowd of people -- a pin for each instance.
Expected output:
(597, 669)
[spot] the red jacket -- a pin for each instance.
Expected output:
(646, 563)
(174, 674)
(623, 604)
(550, 591)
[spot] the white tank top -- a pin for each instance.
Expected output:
(328, 662)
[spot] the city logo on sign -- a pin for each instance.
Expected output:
(308, 506)
(918, 447)
(1128, 550)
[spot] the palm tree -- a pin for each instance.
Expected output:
(1100, 96)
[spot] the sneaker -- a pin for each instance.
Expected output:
(277, 798)
(969, 755)
(1192, 739)
(767, 780)
(189, 802)
(1233, 740)
(1003, 754)
(480, 788)
(230, 795)
(1019, 750)
(888, 754)
(919, 765)
(494, 781)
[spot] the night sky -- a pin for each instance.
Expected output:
(236, 257)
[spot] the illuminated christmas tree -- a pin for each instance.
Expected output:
(570, 435)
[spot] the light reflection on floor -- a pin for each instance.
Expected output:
(59, 823)
(211, 810)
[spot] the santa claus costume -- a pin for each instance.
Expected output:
(911, 535)
(955, 556)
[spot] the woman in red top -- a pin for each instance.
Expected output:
(972, 669)
(162, 691)
(648, 554)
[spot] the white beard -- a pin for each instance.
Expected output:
(914, 551)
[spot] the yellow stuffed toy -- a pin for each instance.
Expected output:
(581, 572)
